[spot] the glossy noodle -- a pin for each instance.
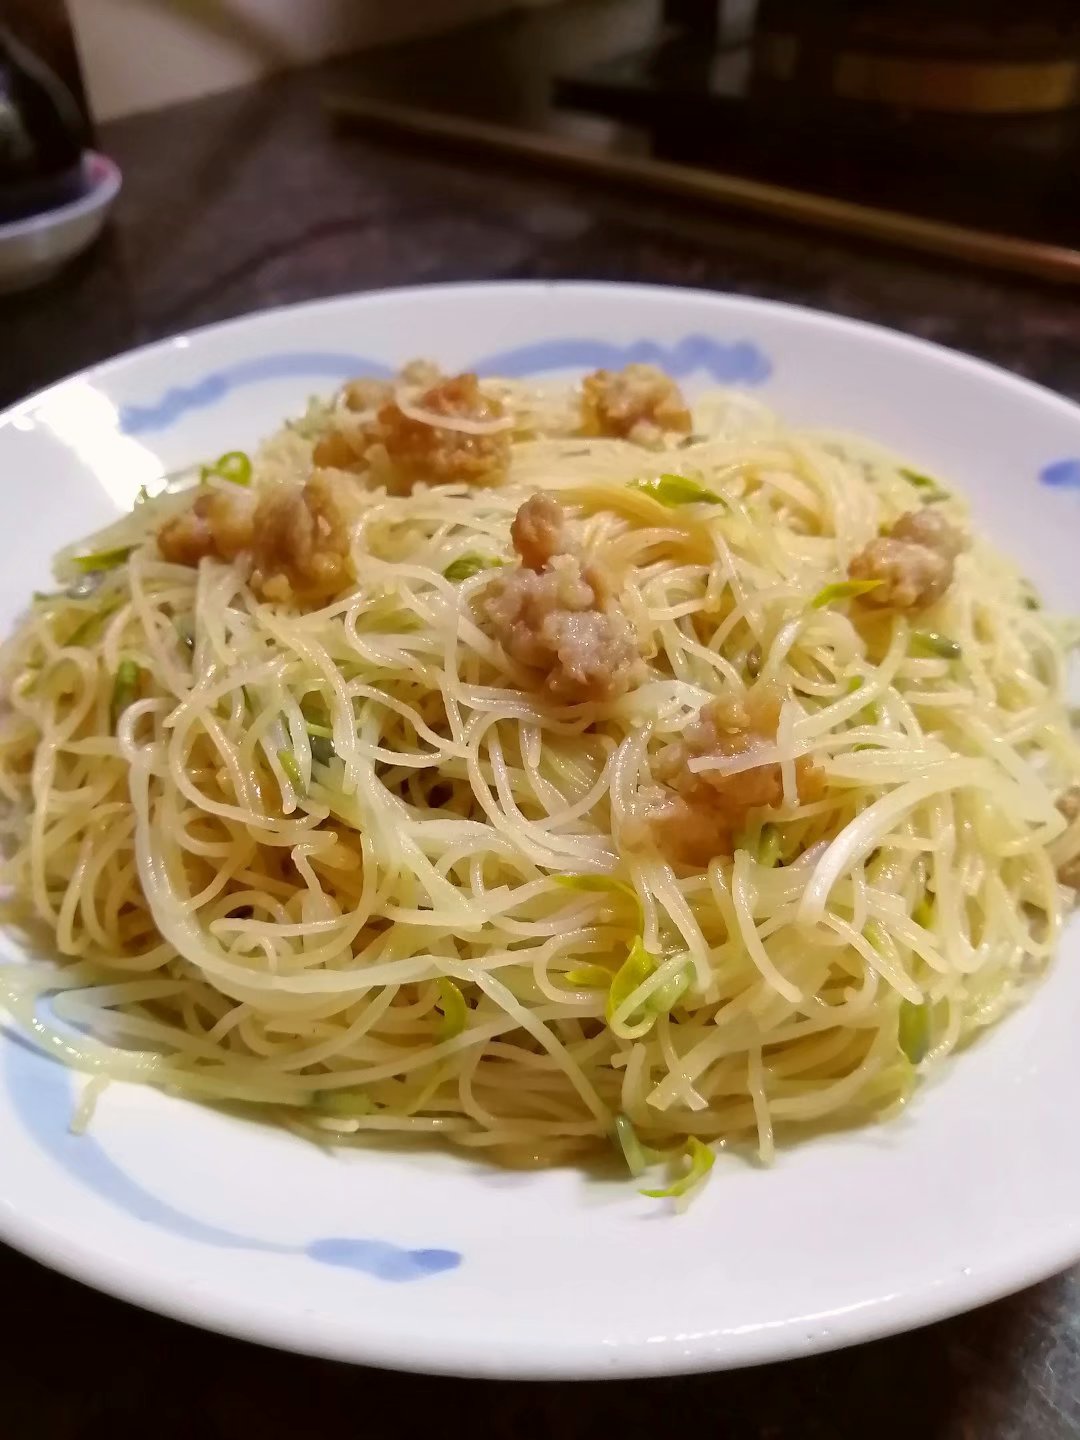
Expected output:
(533, 766)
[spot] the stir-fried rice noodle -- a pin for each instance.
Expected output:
(699, 804)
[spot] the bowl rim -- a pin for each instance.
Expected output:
(102, 179)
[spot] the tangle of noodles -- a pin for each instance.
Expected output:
(352, 864)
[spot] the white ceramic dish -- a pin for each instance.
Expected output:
(34, 249)
(429, 1262)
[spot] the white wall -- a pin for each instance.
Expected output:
(139, 54)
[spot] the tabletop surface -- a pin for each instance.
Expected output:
(248, 200)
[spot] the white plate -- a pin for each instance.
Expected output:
(32, 250)
(431, 1262)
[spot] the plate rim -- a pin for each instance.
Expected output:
(804, 314)
(518, 1357)
(517, 1354)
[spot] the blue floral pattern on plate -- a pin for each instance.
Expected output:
(43, 1099)
(1062, 474)
(737, 362)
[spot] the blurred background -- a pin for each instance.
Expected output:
(169, 163)
(195, 47)
(961, 112)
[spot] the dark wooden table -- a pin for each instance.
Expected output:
(248, 200)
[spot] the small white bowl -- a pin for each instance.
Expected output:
(32, 250)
